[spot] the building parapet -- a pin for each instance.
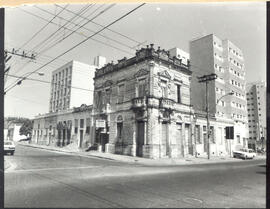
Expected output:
(145, 54)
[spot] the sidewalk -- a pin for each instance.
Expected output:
(137, 160)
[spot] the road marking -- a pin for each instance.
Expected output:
(49, 169)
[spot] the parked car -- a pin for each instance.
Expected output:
(9, 147)
(244, 153)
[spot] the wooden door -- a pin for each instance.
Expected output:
(140, 138)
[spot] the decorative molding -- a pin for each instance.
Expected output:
(141, 72)
(121, 80)
(107, 83)
(165, 74)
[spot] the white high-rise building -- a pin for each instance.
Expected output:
(256, 107)
(210, 54)
(72, 86)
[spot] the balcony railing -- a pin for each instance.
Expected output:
(166, 103)
(139, 102)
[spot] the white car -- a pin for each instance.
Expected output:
(244, 153)
(9, 147)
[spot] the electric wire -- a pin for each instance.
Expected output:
(55, 32)
(81, 34)
(36, 45)
(89, 29)
(32, 37)
(76, 45)
(118, 33)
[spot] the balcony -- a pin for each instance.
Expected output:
(165, 103)
(139, 102)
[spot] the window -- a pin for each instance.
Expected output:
(76, 126)
(238, 139)
(121, 89)
(164, 89)
(178, 93)
(212, 138)
(119, 130)
(204, 128)
(81, 123)
(87, 126)
(141, 91)
(107, 96)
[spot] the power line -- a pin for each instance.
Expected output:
(75, 31)
(110, 24)
(110, 45)
(47, 82)
(121, 34)
(33, 48)
(32, 37)
(52, 34)
(88, 28)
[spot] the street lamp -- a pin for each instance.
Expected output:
(26, 75)
(230, 93)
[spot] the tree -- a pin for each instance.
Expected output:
(26, 128)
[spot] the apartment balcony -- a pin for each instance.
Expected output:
(139, 102)
(165, 103)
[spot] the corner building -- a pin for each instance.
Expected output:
(144, 106)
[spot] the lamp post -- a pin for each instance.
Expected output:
(228, 94)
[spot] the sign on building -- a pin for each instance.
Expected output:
(100, 124)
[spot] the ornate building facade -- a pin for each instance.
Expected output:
(142, 108)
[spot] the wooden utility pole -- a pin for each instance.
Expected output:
(205, 79)
(2, 70)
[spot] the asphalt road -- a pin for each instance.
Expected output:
(40, 178)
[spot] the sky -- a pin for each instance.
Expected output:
(164, 25)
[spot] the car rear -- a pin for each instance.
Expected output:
(9, 147)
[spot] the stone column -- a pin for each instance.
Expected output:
(183, 144)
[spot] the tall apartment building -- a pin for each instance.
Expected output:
(210, 54)
(72, 85)
(256, 107)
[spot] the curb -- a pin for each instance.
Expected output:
(136, 161)
(66, 151)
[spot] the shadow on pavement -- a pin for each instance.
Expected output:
(261, 172)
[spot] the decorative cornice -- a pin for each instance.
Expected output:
(141, 72)
(165, 74)
(149, 53)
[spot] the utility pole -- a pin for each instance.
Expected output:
(205, 79)
(23, 54)
(2, 73)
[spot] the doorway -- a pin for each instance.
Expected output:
(188, 139)
(165, 138)
(140, 138)
(81, 138)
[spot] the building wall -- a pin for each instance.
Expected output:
(256, 106)
(82, 77)
(58, 129)
(201, 63)
(72, 85)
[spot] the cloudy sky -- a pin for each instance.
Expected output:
(165, 25)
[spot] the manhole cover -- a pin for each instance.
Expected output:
(193, 201)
